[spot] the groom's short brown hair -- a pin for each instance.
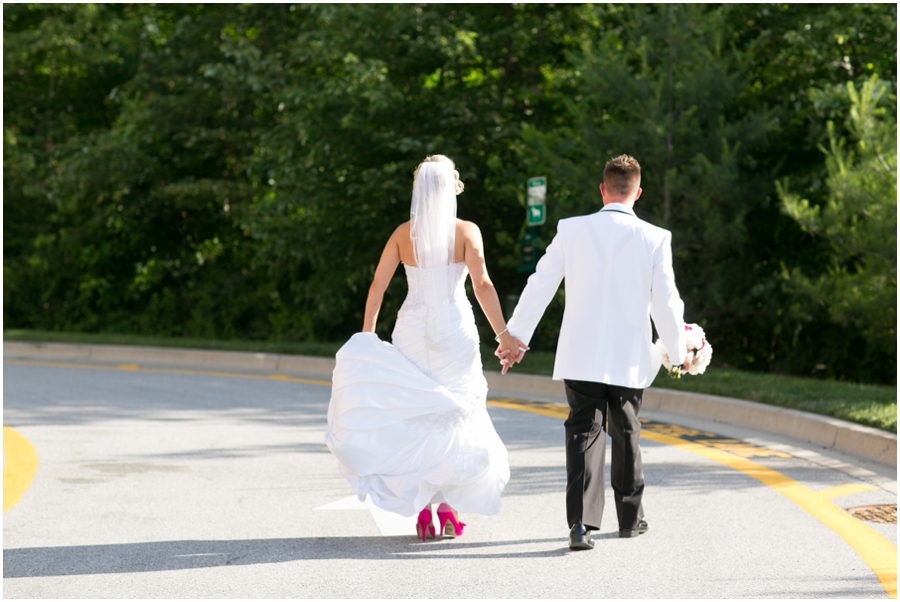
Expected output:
(622, 175)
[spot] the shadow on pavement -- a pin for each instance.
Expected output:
(535, 480)
(192, 554)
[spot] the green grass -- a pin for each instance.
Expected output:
(871, 405)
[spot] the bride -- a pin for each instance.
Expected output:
(408, 422)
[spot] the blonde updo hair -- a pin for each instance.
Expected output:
(442, 159)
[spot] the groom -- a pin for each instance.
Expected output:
(618, 272)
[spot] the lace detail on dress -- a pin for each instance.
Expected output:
(431, 291)
(425, 291)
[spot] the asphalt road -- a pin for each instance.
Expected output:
(171, 485)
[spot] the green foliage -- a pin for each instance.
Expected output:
(357, 110)
(232, 171)
(679, 87)
(859, 220)
(674, 104)
(141, 228)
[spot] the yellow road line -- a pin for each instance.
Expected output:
(544, 409)
(841, 490)
(20, 465)
(875, 550)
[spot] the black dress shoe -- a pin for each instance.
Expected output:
(580, 538)
(641, 528)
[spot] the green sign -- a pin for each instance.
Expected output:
(537, 190)
(537, 215)
(536, 202)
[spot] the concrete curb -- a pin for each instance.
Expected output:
(862, 441)
(167, 356)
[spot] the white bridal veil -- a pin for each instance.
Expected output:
(433, 225)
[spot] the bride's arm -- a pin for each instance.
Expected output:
(483, 287)
(387, 265)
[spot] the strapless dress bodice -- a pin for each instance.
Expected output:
(436, 285)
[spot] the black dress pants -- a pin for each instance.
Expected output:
(591, 405)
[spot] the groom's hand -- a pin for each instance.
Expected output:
(521, 348)
(507, 361)
(510, 351)
(511, 348)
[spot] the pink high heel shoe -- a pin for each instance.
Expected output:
(424, 526)
(450, 527)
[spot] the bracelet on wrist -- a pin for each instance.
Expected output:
(497, 338)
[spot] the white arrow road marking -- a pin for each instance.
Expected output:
(387, 522)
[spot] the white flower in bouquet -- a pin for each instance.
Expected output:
(696, 342)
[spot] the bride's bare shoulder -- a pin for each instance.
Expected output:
(464, 227)
(402, 230)
(468, 230)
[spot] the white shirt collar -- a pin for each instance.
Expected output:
(619, 207)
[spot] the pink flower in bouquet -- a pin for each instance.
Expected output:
(696, 342)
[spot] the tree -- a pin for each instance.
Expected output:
(661, 86)
(233, 170)
(859, 221)
(255, 158)
(60, 62)
(351, 105)
(142, 194)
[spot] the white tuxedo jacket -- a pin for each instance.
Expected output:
(618, 272)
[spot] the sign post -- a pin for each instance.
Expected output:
(535, 217)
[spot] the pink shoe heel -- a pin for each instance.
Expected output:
(450, 527)
(424, 526)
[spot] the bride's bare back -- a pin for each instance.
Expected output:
(469, 247)
(405, 245)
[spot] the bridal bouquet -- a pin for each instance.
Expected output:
(696, 342)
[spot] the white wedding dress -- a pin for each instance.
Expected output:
(408, 422)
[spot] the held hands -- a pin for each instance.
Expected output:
(510, 351)
(687, 361)
(506, 360)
